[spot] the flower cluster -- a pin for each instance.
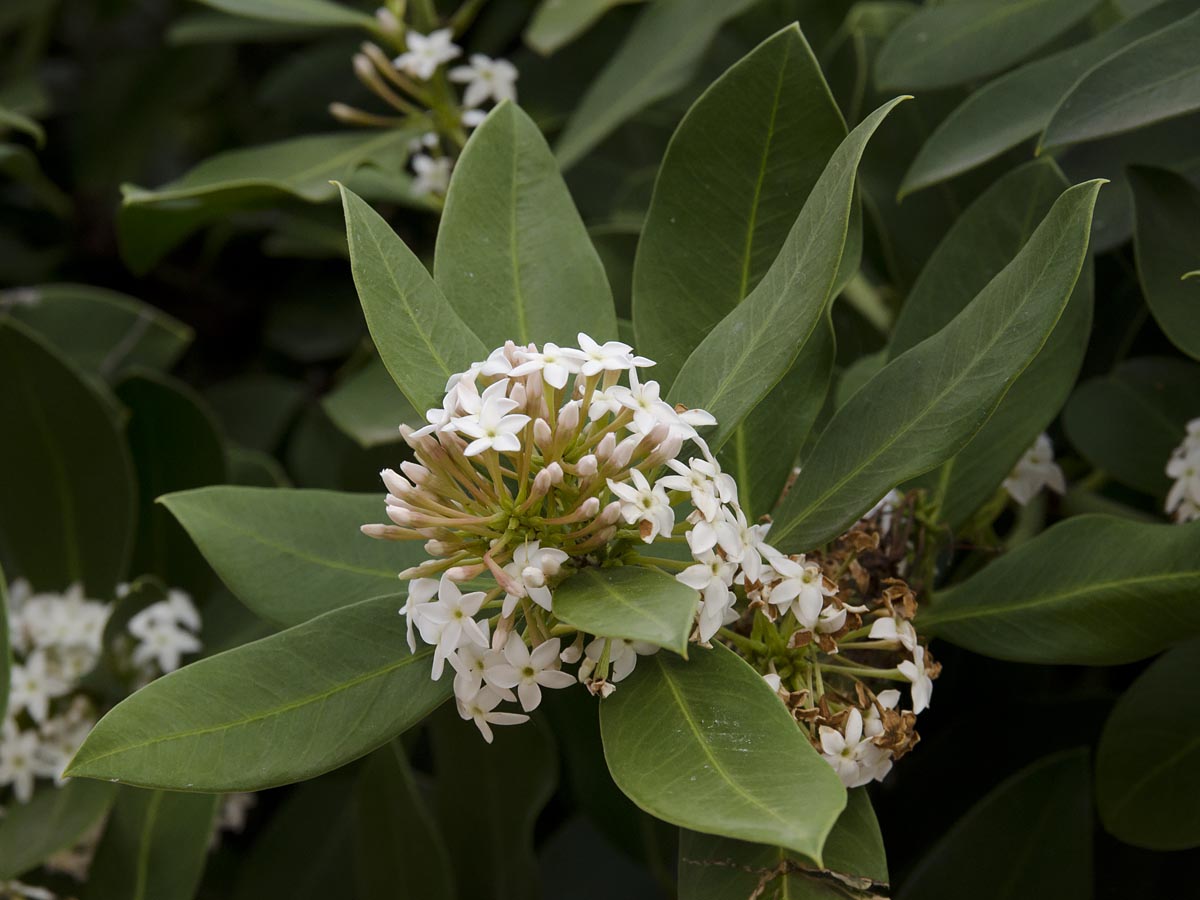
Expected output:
(544, 461)
(416, 84)
(1035, 470)
(1183, 500)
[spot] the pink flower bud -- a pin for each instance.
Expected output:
(611, 514)
(394, 482)
(568, 418)
(589, 507)
(587, 465)
(608, 443)
(465, 573)
(541, 483)
(556, 473)
(542, 436)
(401, 515)
(416, 472)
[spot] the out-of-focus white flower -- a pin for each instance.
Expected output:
(425, 52)
(1034, 471)
(433, 175)
(486, 79)
(165, 632)
(1183, 500)
(19, 764)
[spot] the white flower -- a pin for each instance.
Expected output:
(1034, 471)
(873, 723)
(1184, 496)
(640, 502)
(234, 810)
(742, 542)
(922, 684)
(711, 576)
(19, 763)
(855, 758)
(554, 362)
(493, 425)
(163, 643)
(480, 708)
(448, 623)
(622, 657)
(433, 175)
(426, 52)
(528, 672)
(802, 587)
(611, 356)
(884, 509)
(473, 118)
(33, 686)
(486, 79)
(894, 628)
(773, 681)
(420, 591)
(470, 663)
(530, 567)
(648, 408)
(705, 483)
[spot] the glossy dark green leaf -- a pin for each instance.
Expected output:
(53, 820)
(1031, 837)
(715, 868)
(630, 602)
(153, 222)
(734, 178)
(76, 481)
(290, 555)
(288, 707)
(420, 337)
(750, 350)
(154, 847)
(510, 782)
(1091, 590)
(396, 840)
(705, 744)
(657, 58)
(101, 331)
(926, 405)
(558, 22)
(369, 407)
(1148, 761)
(176, 445)
(1128, 422)
(951, 43)
(317, 13)
(984, 239)
(1152, 79)
(1016, 106)
(511, 244)
(1167, 244)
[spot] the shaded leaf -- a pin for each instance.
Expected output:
(369, 407)
(53, 820)
(726, 756)
(5, 649)
(282, 709)
(558, 22)
(1091, 590)
(631, 602)
(257, 409)
(317, 13)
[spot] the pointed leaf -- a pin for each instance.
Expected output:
(282, 709)
(369, 407)
(420, 337)
(951, 43)
(1148, 761)
(55, 819)
(511, 244)
(154, 847)
(757, 141)
(291, 555)
(926, 404)
(630, 602)
(1092, 591)
(1167, 243)
(75, 479)
(755, 345)
(705, 744)
(1155, 78)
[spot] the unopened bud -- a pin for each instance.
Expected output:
(611, 514)
(416, 472)
(503, 630)
(587, 465)
(589, 507)
(624, 451)
(542, 436)
(401, 516)
(465, 573)
(438, 548)
(556, 473)
(363, 67)
(395, 482)
(382, 532)
(533, 576)
(604, 449)
(388, 22)
(518, 395)
(541, 483)
(568, 418)
(658, 433)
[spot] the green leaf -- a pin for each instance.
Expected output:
(75, 481)
(420, 337)
(1016, 107)
(558, 22)
(755, 345)
(511, 244)
(224, 28)
(11, 119)
(151, 223)
(1031, 837)
(257, 409)
(952, 43)
(705, 744)
(658, 57)
(55, 819)
(984, 239)
(927, 404)
(397, 841)
(756, 141)
(1091, 591)
(717, 868)
(291, 555)
(282, 709)
(5, 649)
(368, 407)
(1154, 78)
(176, 445)
(631, 602)
(1128, 422)
(317, 13)
(1148, 761)
(154, 847)
(1167, 244)
(509, 783)
(101, 331)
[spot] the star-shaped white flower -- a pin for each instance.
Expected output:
(622, 657)
(19, 763)
(433, 175)
(163, 642)
(486, 79)
(611, 356)
(425, 52)
(854, 756)
(711, 576)
(894, 628)
(922, 684)
(555, 363)
(449, 622)
(493, 425)
(641, 502)
(481, 709)
(706, 485)
(33, 686)
(530, 567)
(742, 542)
(528, 672)
(1034, 471)
(420, 591)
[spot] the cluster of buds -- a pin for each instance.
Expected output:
(418, 86)
(1183, 500)
(832, 630)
